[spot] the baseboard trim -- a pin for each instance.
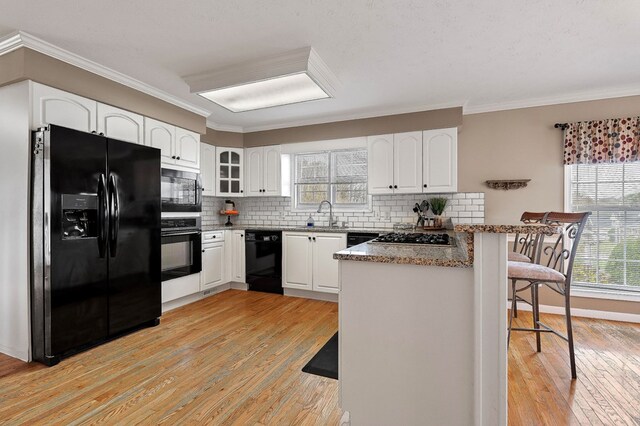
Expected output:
(315, 295)
(239, 286)
(22, 355)
(585, 313)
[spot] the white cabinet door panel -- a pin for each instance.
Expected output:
(187, 149)
(208, 169)
(440, 160)
(213, 260)
(238, 257)
(325, 268)
(162, 136)
(297, 260)
(272, 185)
(407, 159)
(53, 106)
(253, 171)
(119, 124)
(380, 164)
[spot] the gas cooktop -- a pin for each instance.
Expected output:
(415, 238)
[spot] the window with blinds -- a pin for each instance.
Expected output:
(608, 256)
(337, 176)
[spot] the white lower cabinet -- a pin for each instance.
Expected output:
(297, 254)
(237, 257)
(308, 262)
(213, 260)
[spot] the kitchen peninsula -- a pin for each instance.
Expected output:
(455, 368)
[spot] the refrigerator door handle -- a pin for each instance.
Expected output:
(114, 215)
(102, 215)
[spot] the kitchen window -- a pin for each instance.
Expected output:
(608, 257)
(338, 176)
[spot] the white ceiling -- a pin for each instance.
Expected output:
(391, 56)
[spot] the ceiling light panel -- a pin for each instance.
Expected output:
(292, 77)
(285, 90)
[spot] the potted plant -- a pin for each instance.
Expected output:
(438, 204)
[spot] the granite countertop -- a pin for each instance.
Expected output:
(458, 256)
(292, 229)
(517, 228)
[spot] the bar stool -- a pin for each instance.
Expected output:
(555, 272)
(524, 250)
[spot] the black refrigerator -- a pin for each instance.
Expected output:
(95, 240)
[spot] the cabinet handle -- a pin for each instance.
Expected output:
(177, 158)
(93, 132)
(241, 235)
(424, 186)
(101, 134)
(390, 186)
(309, 238)
(395, 186)
(173, 156)
(203, 251)
(241, 191)
(314, 239)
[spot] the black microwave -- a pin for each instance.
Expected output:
(180, 191)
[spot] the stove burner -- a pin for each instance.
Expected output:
(416, 238)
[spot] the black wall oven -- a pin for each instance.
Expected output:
(181, 247)
(180, 191)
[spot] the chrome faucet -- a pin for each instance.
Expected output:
(331, 221)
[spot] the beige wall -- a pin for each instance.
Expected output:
(26, 64)
(424, 120)
(220, 138)
(523, 144)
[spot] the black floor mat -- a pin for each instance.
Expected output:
(325, 362)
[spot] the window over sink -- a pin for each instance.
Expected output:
(339, 176)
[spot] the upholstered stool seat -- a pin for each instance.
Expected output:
(518, 257)
(534, 272)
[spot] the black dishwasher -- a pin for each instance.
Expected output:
(263, 254)
(355, 238)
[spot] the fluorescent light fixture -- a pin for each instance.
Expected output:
(293, 77)
(288, 89)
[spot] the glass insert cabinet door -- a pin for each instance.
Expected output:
(229, 166)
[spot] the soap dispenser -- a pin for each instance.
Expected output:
(310, 221)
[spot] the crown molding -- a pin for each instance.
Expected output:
(591, 95)
(20, 39)
(383, 112)
(224, 127)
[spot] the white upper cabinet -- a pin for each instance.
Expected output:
(229, 172)
(253, 172)
(262, 171)
(162, 136)
(407, 163)
(208, 169)
(272, 185)
(179, 147)
(380, 163)
(413, 162)
(440, 160)
(53, 106)
(119, 124)
(187, 148)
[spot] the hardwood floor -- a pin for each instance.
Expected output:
(235, 358)
(607, 390)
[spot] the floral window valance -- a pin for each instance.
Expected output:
(616, 140)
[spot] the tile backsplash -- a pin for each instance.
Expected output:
(463, 207)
